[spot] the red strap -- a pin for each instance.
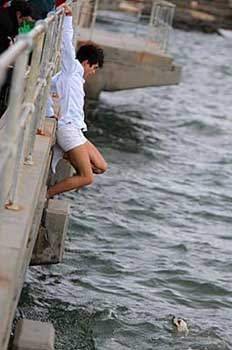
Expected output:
(59, 2)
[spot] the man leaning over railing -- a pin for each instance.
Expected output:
(68, 84)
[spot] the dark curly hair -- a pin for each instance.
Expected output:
(91, 52)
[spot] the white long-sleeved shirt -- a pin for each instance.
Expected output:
(69, 81)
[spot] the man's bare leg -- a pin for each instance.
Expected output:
(99, 165)
(80, 160)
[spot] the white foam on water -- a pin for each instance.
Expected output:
(226, 33)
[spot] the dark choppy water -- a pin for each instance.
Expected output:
(153, 236)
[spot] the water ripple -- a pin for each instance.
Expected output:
(152, 237)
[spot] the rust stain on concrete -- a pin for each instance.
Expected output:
(4, 281)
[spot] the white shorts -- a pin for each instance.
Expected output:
(69, 137)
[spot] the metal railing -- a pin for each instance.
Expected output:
(25, 116)
(161, 20)
(156, 16)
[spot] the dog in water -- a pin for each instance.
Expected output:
(179, 325)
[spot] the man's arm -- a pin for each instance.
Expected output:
(68, 53)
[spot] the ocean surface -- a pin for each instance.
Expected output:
(152, 237)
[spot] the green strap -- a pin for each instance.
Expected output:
(26, 26)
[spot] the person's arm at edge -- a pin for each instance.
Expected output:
(68, 54)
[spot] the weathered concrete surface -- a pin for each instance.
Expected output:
(130, 62)
(34, 335)
(49, 247)
(115, 77)
(63, 169)
(19, 231)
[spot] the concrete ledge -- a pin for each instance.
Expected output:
(34, 335)
(115, 77)
(49, 247)
(19, 231)
(130, 62)
(63, 169)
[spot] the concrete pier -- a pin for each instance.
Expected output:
(19, 230)
(34, 335)
(63, 169)
(49, 246)
(130, 62)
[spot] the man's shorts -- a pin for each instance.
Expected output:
(69, 137)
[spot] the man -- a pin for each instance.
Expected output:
(68, 83)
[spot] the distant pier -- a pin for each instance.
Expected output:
(136, 56)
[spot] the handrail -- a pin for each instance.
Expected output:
(159, 24)
(28, 95)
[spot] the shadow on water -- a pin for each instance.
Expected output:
(113, 129)
(73, 326)
(122, 128)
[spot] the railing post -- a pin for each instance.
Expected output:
(139, 14)
(13, 166)
(94, 18)
(58, 42)
(171, 16)
(44, 68)
(76, 17)
(152, 16)
(30, 94)
(163, 26)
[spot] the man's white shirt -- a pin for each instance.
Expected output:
(68, 82)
